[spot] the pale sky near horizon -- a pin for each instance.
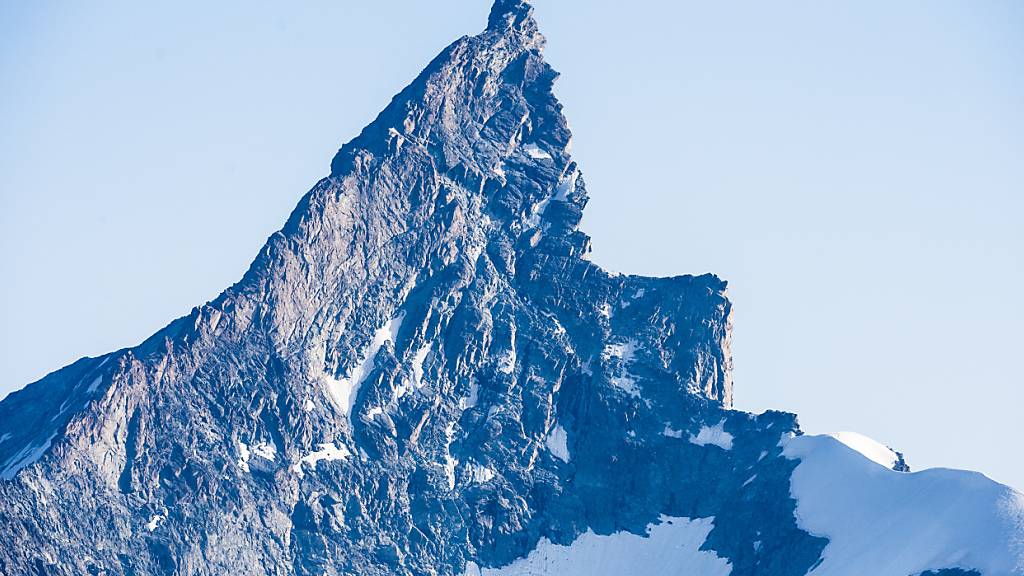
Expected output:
(854, 169)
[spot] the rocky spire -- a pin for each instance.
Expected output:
(422, 355)
(422, 373)
(511, 14)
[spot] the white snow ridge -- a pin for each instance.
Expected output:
(870, 448)
(879, 521)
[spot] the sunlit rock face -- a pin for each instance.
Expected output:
(421, 373)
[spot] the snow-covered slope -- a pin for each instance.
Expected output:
(880, 521)
(671, 546)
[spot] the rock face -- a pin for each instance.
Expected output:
(421, 373)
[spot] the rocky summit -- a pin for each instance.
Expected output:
(423, 374)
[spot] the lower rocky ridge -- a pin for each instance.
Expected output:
(215, 490)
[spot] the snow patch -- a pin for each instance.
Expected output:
(507, 363)
(417, 364)
(479, 474)
(95, 384)
(627, 384)
(559, 329)
(449, 462)
(417, 374)
(714, 435)
(670, 547)
(155, 521)
(344, 391)
(533, 220)
(471, 400)
(25, 457)
(567, 186)
(264, 450)
(533, 151)
(625, 351)
(879, 521)
(397, 137)
(243, 456)
(328, 452)
(671, 433)
(557, 443)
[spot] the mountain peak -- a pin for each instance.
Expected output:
(421, 373)
(509, 14)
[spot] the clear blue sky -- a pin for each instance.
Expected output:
(855, 170)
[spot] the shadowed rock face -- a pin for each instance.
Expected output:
(420, 369)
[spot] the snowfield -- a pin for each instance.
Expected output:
(670, 547)
(879, 521)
